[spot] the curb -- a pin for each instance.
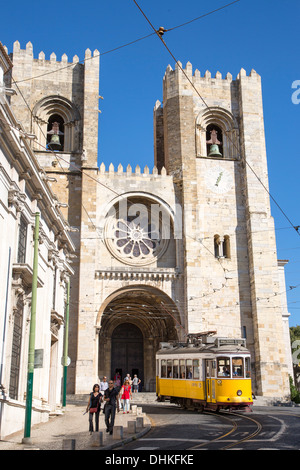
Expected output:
(127, 440)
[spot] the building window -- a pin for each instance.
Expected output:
(214, 145)
(222, 246)
(139, 233)
(226, 247)
(22, 240)
(217, 246)
(55, 133)
(60, 110)
(16, 351)
(217, 134)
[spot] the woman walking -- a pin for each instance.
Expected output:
(126, 395)
(94, 406)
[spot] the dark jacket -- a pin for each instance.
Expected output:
(112, 395)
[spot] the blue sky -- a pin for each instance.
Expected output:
(258, 34)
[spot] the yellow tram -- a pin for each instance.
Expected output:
(205, 373)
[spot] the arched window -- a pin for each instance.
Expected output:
(226, 247)
(55, 133)
(217, 246)
(214, 141)
(57, 116)
(222, 246)
(214, 125)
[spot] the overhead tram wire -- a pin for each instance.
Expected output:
(88, 58)
(95, 179)
(129, 43)
(203, 16)
(160, 32)
(58, 157)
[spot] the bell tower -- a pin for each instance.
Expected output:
(209, 134)
(58, 102)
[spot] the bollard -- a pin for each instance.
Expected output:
(131, 427)
(118, 432)
(97, 439)
(139, 411)
(69, 444)
(139, 423)
(134, 409)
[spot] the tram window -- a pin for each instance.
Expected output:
(182, 368)
(237, 367)
(169, 368)
(223, 367)
(248, 367)
(175, 369)
(207, 369)
(189, 369)
(163, 368)
(210, 368)
(196, 371)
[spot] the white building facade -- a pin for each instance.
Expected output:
(24, 191)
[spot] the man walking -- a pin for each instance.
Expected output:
(103, 386)
(111, 403)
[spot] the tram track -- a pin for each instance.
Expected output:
(250, 436)
(266, 429)
(235, 429)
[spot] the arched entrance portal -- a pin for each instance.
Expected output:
(127, 351)
(133, 321)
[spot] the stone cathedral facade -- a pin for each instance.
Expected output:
(184, 247)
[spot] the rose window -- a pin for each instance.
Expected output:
(136, 240)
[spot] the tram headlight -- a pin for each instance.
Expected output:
(239, 393)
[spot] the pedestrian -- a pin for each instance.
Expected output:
(128, 377)
(111, 403)
(103, 385)
(126, 394)
(135, 383)
(117, 380)
(94, 407)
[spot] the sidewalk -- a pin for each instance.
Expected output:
(72, 424)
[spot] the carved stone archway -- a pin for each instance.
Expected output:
(136, 308)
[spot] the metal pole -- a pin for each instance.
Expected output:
(27, 428)
(66, 345)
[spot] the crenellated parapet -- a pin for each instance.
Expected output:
(27, 53)
(196, 77)
(189, 82)
(129, 172)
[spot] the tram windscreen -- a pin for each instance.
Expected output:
(223, 367)
(237, 367)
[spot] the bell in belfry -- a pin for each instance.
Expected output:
(54, 143)
(214, 148)
(214, 151)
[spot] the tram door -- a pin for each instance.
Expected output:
(210, 381)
